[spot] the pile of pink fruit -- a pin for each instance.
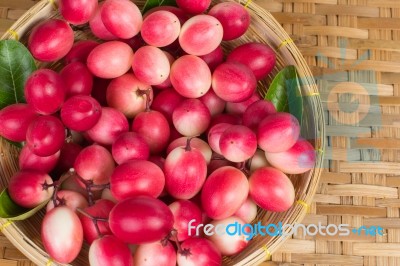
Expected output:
(149, 128)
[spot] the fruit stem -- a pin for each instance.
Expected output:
(216, 156)
(243, 167)
(95, 220)
(54, 196)
(90, 186)
(69, 139)
(46, 186)
(148, 98)
(174, 236)
(188, 148)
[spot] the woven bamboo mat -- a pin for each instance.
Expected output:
(353, 49)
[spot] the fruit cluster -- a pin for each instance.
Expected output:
(149, 129)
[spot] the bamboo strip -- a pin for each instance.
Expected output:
(376, 249)
(370, 167)
(362, 190)
(351, 210)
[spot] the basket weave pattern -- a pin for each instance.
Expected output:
(25, 235)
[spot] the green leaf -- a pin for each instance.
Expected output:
(154, 3)
(16, 144)
(285, 93)
(11, 211)
(16, 64)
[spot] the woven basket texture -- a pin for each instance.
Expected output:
(353, 49)
(264, 28)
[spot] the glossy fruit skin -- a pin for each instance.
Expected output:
(224, 192)
(136, 178)
(95, 163)
(234, 17)
(80, 112)
(258, 160)
(45, 91)
(153, 220)
(195, 143)
(97, 26)
(77, 79)
(129, 146)
(225, 118)
(233, 82)
(214, 136)
(271, 189)
(155, 254)
(193, 7)
(70, 199)
(190, 76)
(100, 209)
(200, 35)
(256, 112)
(26, 188)
(203, 253)
(27, 160)
(299, 159)
(109, 251)
(80, 51)
(240, 107)
(185, 211)
(15, 120)
(248, 211)
(230, 244)
(50, 40)
(166, 102)
(77, 11)
(62, 234)
(111, 125)
(160, 28)
(45, 135)
(214, 58)
(214, 104)
(191, 117)
(182, 15)
(110, 59)
(238, 143)
(127, 94)
(278, 132)
(185, 172)
(156, 133)
(122, 18)
(259, 57)
(151, 65)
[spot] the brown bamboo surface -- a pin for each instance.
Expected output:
(353, 49)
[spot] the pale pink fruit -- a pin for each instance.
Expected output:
(271, 189)
(278, 132)
(230, 244)
(297, 160)
(238, 143)
(62, 234)
(109, 251)
(155, 254)
(224, 192)
(190, 76)
(200, 35)
(248, 211)
(233, 82)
